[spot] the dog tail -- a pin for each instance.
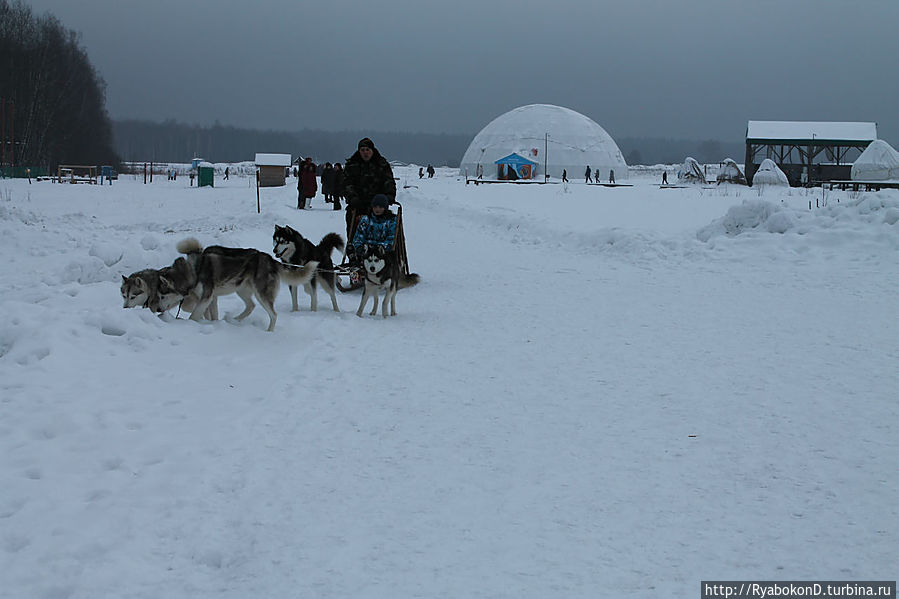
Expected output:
(189, 246)
(331, 242)
(296, 275)
(410, 280)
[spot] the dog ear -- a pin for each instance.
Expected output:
(124, 279)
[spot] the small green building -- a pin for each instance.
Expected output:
(205, 174)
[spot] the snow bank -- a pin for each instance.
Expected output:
(862, 217)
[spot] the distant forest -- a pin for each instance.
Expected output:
(171, 141)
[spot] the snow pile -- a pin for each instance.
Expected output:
(731, 173)
(861, 218)
(879, 161)
(750, 215)
(691, 172)
(770, 174)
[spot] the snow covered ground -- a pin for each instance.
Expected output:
(593, 392)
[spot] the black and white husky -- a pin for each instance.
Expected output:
(293, 248)
(382, 271)
(218, 271)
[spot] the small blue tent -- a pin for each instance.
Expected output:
(515, 166)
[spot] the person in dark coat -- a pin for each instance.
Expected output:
(367, 174)
(587, 177)
(327, 178)
(430, 171)
(339, 184)
(308, 183)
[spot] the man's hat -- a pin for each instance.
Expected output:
(365, 142)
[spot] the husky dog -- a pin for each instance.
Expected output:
(141, 288)
(138, 287)
(221, 271)
(293, 248)
(382, 271)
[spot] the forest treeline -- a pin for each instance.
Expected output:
(171, 141)
(52, 101)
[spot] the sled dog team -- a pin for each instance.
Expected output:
(196, 279)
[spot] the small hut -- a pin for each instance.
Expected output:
(205, 174)
(272, 169)
(514, 167)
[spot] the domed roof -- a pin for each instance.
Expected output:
(879, 161)
(570, 140)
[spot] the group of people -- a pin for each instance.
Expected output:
(421, 172)
(590, 174)
(333, 183)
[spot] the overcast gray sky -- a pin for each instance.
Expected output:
(697, 69)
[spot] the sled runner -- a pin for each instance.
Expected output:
(350, 277)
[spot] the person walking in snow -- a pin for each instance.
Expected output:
(612, 177)
(587, 177)
(564, 176)
(430, 171)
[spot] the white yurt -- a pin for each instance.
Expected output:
(879, 162)
(542, 134)
(770, 174)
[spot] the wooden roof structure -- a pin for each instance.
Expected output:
(807, 151)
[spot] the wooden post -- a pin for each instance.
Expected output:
(12, 133)
(145, 173)
(545, 146)
(151, 171)
(2, 131)
(258, 205)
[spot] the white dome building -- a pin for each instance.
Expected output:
(568, 139)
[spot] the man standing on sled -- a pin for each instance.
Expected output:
(366, 174)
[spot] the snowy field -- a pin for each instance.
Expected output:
(593, 393)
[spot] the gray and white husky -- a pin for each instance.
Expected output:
(382, 271)
(290, 246)
(138, 287)
(141, 288)
(218, 271)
